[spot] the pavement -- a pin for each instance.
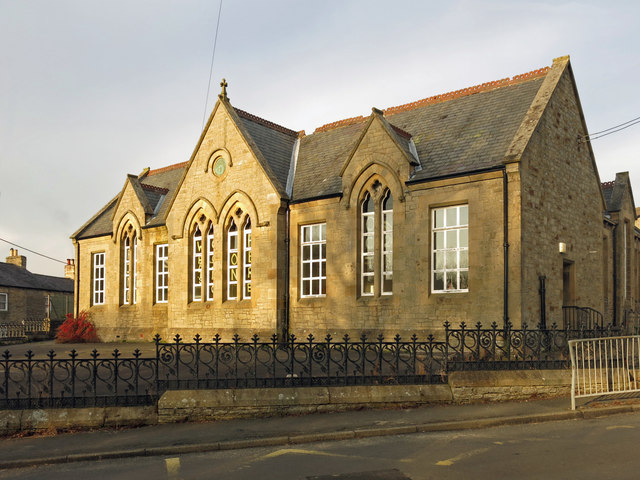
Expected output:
(178, 439)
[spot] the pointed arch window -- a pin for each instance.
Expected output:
(197, 265)
(232, 261)
(129, 267)
(386, 247)
(126, 268)
(202, 264)
(376, 242)
(246, 259)
(367, 246)
(210, 250)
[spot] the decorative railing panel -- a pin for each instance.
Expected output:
(478, 348)
(309, 362)
(77, 382)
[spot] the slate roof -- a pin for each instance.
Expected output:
(18, 277)
(320, 159)
(458, 132)
(274, 141)
(458, 135)
(166, 179)
(607, 192)
(614, 192)
(156, 185)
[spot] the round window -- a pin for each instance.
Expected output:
(219, 166)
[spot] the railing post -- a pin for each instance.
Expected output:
(157, 339)
(275, 345)
(292, 354)
(116, 356)
(363, 357)
(236, 341)
(197, 339)
(29, 356)
(255, 339)
(94, 357)
(310, 361)
(346, 358)
(6, 356)
(136, 362)
(380, 340)
(446, 346)
(397, 359)
(73, 354)
(176, 340)
(51, 356)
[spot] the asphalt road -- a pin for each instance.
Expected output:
(586, 449)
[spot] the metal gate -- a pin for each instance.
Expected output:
(604, 366)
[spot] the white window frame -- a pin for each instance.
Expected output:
(134, 274)
(364, 236)
(386, 233)
(196, 240)
(454, 231)
(99, 270)
(313, 256)
(4, 302)
(162, 272)
(126, 267)
(209, 265)
(246, 259)
(232, 269)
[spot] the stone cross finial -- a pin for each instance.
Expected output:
(223, 93)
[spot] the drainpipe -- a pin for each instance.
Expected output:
(615, 274)
(76, 282)
(505, 236)
(543, 302)
(287, 242)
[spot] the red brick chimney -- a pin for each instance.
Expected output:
(70, 269)
(15, 259)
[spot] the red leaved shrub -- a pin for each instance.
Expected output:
(77, 330)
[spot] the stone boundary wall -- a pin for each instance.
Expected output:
(499, 386)
(209, 405)
(54, 419)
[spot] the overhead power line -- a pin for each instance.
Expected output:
(213, 55)
(32, 251)
(609, 131)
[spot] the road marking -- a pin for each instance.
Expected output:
(615, 427)
(286, 451)
(173, 468)
(450, 461)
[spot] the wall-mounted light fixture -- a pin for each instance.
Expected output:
(562, 247)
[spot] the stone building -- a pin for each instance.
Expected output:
(621, 247)
(455, 207)
(31, 296)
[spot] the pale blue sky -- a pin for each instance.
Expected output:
(93, 90)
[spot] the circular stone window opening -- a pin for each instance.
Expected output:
(219, 166)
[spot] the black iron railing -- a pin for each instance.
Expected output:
(68, 380)
(77, 382)
(585, 318)
(294, 362)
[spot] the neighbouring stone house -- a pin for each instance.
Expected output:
(30, 296)
(621, 249)
(457, 207)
